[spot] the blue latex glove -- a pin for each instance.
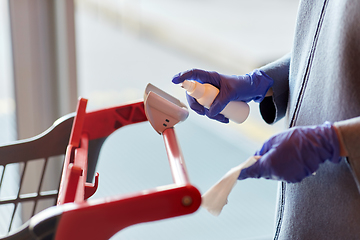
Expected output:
(295, 154)
(244, 88)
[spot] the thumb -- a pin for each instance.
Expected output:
(218, 105)
(252, 171)
(194, 105)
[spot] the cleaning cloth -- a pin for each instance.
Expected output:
(216, 197)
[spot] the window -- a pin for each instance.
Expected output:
(7, 103)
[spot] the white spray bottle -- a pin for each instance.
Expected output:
(236, 111)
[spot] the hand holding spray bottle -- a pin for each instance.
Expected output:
(236, 111)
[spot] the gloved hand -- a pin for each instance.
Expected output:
(244, 88)
(295, 154)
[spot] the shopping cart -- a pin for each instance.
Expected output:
(80, 136)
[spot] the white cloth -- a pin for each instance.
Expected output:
(216, 197)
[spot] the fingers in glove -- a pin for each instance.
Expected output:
(194, 105)
(269, 168)
(197, 75)
(218, 105)
(219, 117)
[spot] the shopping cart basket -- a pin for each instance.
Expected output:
(80, 136)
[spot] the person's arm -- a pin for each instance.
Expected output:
(274, 105)
(298, 152)
(269, 93)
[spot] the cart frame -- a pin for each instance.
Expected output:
(75, 217)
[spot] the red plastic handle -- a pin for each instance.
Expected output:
(100, 219)
(176, 159)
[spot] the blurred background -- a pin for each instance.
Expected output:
(52, 52)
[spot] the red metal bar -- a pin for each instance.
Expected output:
(80, 161)
(89, 126)
(68, 175)
(176, 159)
(102, 219)
(102, 123)
(74, 171)
(78, 123)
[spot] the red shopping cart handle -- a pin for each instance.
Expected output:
(76, 218)
(101, 219)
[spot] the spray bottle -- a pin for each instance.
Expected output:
(236, 111)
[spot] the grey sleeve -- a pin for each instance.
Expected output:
(273, 108)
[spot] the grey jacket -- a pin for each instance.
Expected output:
(320, 81)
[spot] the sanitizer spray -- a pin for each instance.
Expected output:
(236, 111)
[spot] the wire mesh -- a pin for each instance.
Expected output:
(30, 172)
(25, 190)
